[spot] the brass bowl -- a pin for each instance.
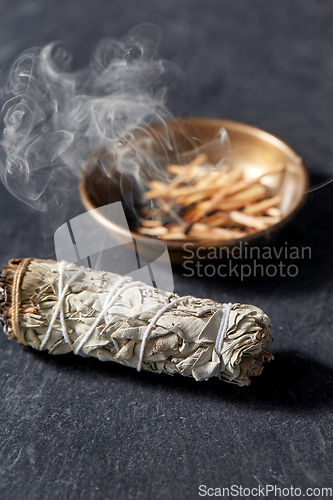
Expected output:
(252, 148)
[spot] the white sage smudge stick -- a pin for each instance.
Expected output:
(60, 307)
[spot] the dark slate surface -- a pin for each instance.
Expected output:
(77, 428)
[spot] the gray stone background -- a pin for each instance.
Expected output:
(76, 428)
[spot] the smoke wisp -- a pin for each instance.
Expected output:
(53, 118)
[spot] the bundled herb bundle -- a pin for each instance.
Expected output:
(60, 307)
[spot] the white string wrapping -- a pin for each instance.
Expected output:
(152, 323)
(107, 305)
(62, 267)
(105, 308)
(223, 328)
(59, 306)
(124, 283)
(125, 279)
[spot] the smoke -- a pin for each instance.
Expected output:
(53, 118)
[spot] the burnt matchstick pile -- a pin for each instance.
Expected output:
(202, 202)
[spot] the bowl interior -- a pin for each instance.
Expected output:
(251, 148)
